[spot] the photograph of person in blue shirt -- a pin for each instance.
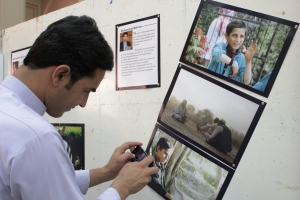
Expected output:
(228, 60)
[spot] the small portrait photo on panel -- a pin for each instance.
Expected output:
(126, 40)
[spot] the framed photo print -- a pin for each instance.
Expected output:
(241, 46)
(138, 54)
(73, 136)
(184, 171)
(213, 116)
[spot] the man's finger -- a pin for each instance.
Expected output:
(147, 161)
(128, 145)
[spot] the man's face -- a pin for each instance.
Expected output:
(162, 154)
(60, 100)
(236, 38)
(125, 36)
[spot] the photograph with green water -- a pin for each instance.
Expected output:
(73, 138)
(184, 172)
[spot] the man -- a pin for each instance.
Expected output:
(125, 45)
(65, 63)
(227, 59)
(180, 112)
(209, 128)
(161, 156)
(220, 137)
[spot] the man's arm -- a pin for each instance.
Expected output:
(218, 130)
(133, 177)
(220, 55)
(206, 127)
(110, 171)
(43, 164)
(130, 176)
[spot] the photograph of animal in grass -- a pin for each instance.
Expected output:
(208, 115)
(184, 174)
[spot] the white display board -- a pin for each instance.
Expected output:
(269, 168)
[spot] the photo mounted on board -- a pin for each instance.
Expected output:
(17, 58)
(126, 40)
(138, 54)
(213, 116)
(73, 136)
(241, 46)
(184, 172)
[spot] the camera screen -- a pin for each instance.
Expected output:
(140, 154)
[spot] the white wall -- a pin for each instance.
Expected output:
(270, 166)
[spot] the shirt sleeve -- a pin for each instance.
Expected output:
(42, 170)
(83, 180)
(109, 194)
(217, 52)
(218, 130)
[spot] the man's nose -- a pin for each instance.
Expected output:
(84, 100)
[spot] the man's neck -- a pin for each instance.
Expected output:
(35, 79)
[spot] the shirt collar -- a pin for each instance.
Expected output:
(24, 93)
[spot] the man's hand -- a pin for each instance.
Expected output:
(134, 176)
(235, 69)
(117, 161)
(169, 196)
(251, 51)
(120, 157)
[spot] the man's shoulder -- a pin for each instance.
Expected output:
(17, 116)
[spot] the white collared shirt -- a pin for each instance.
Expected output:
(33, 162)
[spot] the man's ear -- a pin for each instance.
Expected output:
(158, 148)
(61, 74)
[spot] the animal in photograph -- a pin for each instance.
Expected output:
(208, 115)
(184, 174)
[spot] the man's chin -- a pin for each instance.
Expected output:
(55, 115)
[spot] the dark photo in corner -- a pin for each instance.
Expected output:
(212, 115)
(185, 173)
(241, 46)
(17, 58)
(73, 136)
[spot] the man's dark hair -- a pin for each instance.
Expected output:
(74, 41)
(163, 143)
(125, 33)
(235, 24)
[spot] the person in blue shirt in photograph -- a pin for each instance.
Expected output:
(228, 60)
(262, 83)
